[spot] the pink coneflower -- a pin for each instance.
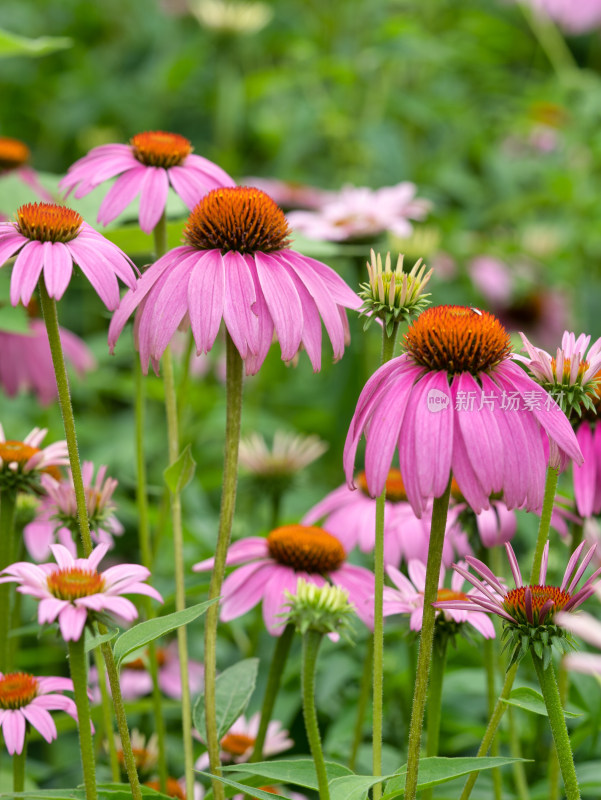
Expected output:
(455, 402)
(351, 515)
(147, 166)
(289, 194)
(26, 363)
(74, 591)
(573, 17)
(359, 211)
(14, 160)
(57, 516)
(25, 700)
(408, 598)
(23, 463)
(237, 266)
(49, 239)
(238, 743)
(273, 565)
(588, 628)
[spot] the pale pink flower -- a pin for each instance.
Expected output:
(57, 515)
(350, 516)
(571, 365)
(73, 590)
(23, 462)
(289, 194)
(272, 565)
(48, 240)
(588, 628)
(587, 476)
(147, 166)
(573, 16)
(455, 403)
(237, 267)
(493, 279)
(25, 700)
(26, 362)
(408, 598)
(238, 743)
(359, 211)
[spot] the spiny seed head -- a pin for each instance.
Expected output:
(48, 222)
(160, 149)
(306, 549)
(17, 689)
(324, 609)
(240, 219)
(544, 602)
(457, 339)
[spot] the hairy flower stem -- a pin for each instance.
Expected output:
(424, 658)
(107, 715)
(178, 555)
(378, 682)
(234, 366)
(563, 685)
(557, 720)
(364, 692)
(8, 501)
(276, 670)
(311, 641)
(19, 769)
(439, 661)
(78, 669)
(64, 398)
(491, 729)
(545, 522)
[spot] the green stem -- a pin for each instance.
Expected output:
(488, 650)
(234, 366)
(378, 680)
(19, 768)
(439, 661)
(276, 670)
(557, 720)
(118, 705)
(551, 41)
(491, 729)
(8, 501)
(178, 555)
(437, 532)
(64, 398)
(311, 641)
(545, 522)
(146, 553)
(364, 692)
(563, 685)
(577, 533)
(78, 669)
(107, 715)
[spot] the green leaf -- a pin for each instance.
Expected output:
(233, 690)
(354, 787)
(13, 45)
(93, 641)
(299, 772)
(152, 629)
(179, 474)
(249, 790)
(531, 700)
(433, 771)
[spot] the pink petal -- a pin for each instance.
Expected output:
(120, 195)
(41, 721)
(71, 622)
(585, 476)
(13, 728)
(274, 600)
(26, 273)
(206, 293)
(240, 296)
(244, 588)
(283, 303)
(58, 268)
(153, 197)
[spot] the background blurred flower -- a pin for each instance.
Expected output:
(23, 463)
(588, 628)
(238, 743)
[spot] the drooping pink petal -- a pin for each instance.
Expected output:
(282, 301)
(13, 728)
(41, 721)
(206, 293)
(244, 588)
(71, 621)
(125, 189)
(26, 273)
(585, 475)
(239, 318)
(58, 268)
(281, 579)
(153, 197)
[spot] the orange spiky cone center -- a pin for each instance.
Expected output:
(395, 488)
(13, 154)
(160, 149)
(449, 594)
(74, 582)
(48, 222)
(17, 689)
(514, 601)
(306, 548)
(240, 219)
(236, 744)
(13, 451)
(457, 339)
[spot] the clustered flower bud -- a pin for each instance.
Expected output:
(325, 609)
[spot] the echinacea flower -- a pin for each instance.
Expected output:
(147, 166)
(238, 743)
(57, 515)
(528, 610)
(176, 787)
(26, 362)
(575, 18)
(145, 751)
(73, 590)
(357, 211)
(456, 403)
(272, 565)
(588, 628)
(237, 266)
(48, 240)
(290, 453)
(289, 194)
(350, 516)
(23, 463)
(408, 598)
(14, 160)
(25, 699)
